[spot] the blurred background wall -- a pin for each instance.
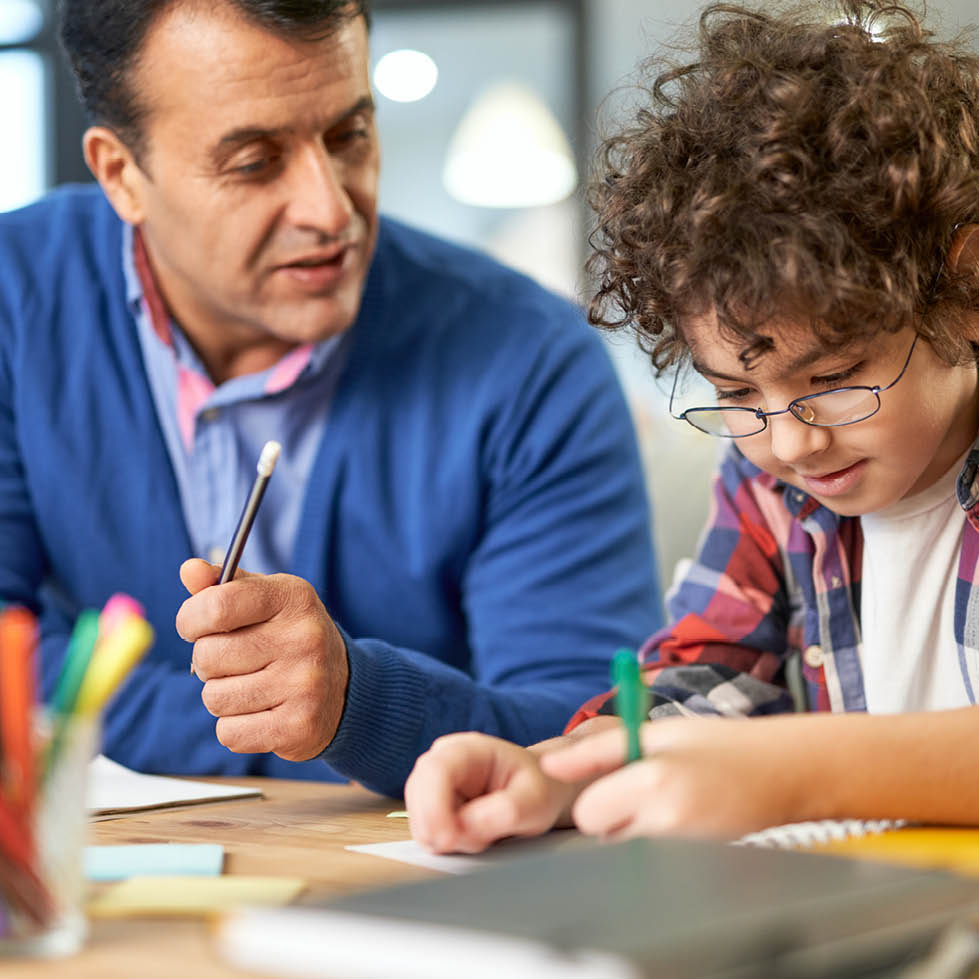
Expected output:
(489, 112)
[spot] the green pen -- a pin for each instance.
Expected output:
(630, 698)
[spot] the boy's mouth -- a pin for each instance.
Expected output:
(835, 483)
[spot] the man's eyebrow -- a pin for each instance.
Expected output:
(244, 135)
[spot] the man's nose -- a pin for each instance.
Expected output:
(318, 200)
(793, 440)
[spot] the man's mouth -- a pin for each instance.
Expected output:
(333, 257)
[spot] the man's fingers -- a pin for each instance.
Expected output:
(196, 574)
(242, 602)
(594, 755)
(247, 733)
(240, 653)
(227, 696)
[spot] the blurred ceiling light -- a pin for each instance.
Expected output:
(405, 76)
(20, 20)
(509, 151)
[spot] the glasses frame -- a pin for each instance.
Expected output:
(794, 407)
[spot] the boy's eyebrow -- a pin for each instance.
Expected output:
(243, 135)
(704, 369)
(803, 360)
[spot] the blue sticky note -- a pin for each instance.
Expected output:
(153, 859)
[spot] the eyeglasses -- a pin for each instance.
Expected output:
(827, 409)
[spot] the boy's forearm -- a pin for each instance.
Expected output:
(903, 766)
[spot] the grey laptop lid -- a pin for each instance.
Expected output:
(683, 908)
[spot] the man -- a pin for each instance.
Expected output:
(459, 500)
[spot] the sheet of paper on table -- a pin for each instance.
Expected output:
(114, 789)
(408, 851)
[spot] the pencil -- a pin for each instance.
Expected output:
(266, 463)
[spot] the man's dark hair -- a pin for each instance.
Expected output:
(812, 162)
(103, 40)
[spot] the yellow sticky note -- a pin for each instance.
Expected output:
(192, 895)
(951, 847)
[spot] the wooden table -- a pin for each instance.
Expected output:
(298, 829)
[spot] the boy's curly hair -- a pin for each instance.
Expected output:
(807, 165)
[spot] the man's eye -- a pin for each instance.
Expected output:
(253, 168)
(347, 137)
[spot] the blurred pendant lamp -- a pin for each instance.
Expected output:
(509, 151)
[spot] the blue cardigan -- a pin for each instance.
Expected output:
(475, 520)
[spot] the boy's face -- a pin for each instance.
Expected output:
(925, 422)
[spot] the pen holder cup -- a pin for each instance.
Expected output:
(41, 908)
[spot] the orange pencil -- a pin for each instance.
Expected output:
(18, 634)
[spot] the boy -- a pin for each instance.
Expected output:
(795, 216)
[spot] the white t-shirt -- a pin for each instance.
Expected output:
(910, 565)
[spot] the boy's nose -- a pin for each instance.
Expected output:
(792, 440)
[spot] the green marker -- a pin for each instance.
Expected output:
(77, 658)
(630, 698)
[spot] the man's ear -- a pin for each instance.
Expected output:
(963, 253)
(115, 168)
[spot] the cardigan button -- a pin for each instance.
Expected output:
(813, 657)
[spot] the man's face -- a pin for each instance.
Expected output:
(258, 186)
(925, 422)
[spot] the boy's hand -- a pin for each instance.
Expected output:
(470, 790)
(698, 777)
(274, 665)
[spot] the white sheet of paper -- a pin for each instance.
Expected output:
(113, 789)
(408, 851)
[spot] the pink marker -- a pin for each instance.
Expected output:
(117, 608)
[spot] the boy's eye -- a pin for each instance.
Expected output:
(839, 378)
(739, 394)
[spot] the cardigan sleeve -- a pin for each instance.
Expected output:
(561, 573)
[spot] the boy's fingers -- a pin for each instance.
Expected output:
(453, 770)
(588, 758)
(490, 818)
(608, 806)
(432, 802)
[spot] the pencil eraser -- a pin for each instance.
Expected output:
(268, 458)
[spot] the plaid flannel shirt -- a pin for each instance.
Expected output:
(777, 579)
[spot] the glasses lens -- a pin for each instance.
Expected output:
(837, 407)
(731, 423)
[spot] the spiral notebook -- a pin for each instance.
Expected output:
(796, 836)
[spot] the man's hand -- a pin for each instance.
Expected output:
(273, 663)
(470, 790)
